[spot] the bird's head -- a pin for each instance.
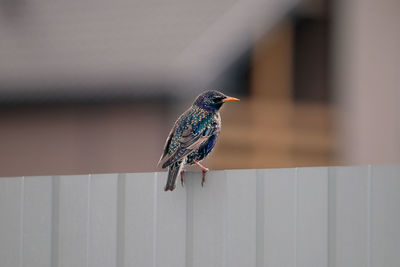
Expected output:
(212, 100)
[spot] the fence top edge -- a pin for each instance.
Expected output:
(390, 165)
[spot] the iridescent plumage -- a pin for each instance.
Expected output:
(194, 135)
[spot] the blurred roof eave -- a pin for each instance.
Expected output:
(186, 57)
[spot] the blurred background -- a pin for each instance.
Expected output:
(95, 86)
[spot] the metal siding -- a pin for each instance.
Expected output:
(279, 217)
(208, 220)
(170, 228)
(73, 214)
(11, 199)
(37, 221)
(240, 218)
(312, 217)
(351, 216)
(385, 216)
(337, 216)
(138, 219)
(103, 221)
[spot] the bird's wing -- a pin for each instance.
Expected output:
(188, 142)
(167, 143)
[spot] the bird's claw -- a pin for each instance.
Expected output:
(182, 183)
(203, 177)
(204, 170)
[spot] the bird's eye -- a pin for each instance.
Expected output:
(218, 99)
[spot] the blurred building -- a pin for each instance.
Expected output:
(94, 87)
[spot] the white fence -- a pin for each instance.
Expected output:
(308, 217)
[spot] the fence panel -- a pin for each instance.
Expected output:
(385, 216)
(37, 221)
(240, 217)
(136, 219)
(206, 217)
(304, 217)
(278, 220)
(170, 242)
(11, 199)
(349, 216)
(103, 209)
(73, 221)
(312, 217)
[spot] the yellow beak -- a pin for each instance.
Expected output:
(228, 99)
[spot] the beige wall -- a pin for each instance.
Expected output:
(367, 80)
(81, 139)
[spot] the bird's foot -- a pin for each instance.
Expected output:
(204, 171)
(203, 177)
(182, 171)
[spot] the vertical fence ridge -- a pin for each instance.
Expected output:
(331, 216)
(21, 242)
(327, 215)
(155, 223)
(296, 206)
(55, 197)
(121, 181)
(260, 220)
(369, 216)
(89, 184)
(189, 223)
(225, 220)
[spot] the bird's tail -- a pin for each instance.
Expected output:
(173, 173)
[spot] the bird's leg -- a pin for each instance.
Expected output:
(201, 166)
(203, 177)
(204, 171)
(182, 171)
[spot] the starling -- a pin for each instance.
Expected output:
(193, 135)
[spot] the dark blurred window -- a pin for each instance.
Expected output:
(311, 55)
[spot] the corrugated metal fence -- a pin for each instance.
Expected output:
(309, 217)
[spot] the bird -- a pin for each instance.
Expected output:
(193, 136)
